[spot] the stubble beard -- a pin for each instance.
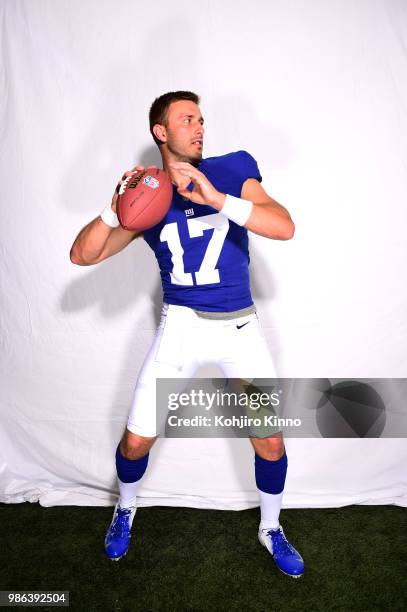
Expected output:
(193, 160)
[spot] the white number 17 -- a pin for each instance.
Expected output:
(207, 273)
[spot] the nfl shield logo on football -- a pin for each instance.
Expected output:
(152, 182)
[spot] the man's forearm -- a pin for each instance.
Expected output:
(90, 242)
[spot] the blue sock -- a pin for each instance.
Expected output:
(130, 470)
(270, 475)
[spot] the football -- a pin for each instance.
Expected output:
(144, 199)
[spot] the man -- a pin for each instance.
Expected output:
(208, 315)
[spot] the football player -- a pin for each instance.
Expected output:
(208, 315)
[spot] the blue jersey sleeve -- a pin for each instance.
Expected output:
(229, 172)
(247, 166)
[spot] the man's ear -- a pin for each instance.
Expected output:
(160, 132)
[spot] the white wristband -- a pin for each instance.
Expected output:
(237, 209)
(109, 217)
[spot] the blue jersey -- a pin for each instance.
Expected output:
(202, 255)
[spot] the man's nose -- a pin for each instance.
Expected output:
(200, 130)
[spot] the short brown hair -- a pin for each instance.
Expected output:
(159, 108)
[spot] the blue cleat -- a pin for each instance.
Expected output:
(287, 559)
(118, 535)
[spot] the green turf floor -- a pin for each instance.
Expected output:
(186, 559)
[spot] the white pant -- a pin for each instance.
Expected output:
(184, 342)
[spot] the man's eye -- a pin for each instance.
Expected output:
(187, 120)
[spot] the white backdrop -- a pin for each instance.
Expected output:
(317, 92)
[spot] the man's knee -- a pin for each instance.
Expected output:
(271, 449)
(133, 446)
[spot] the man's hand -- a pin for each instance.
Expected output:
(97, 241)
(203, 192)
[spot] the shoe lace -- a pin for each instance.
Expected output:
(281, 547)
(120, 525)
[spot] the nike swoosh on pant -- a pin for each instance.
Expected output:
(240, 326)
